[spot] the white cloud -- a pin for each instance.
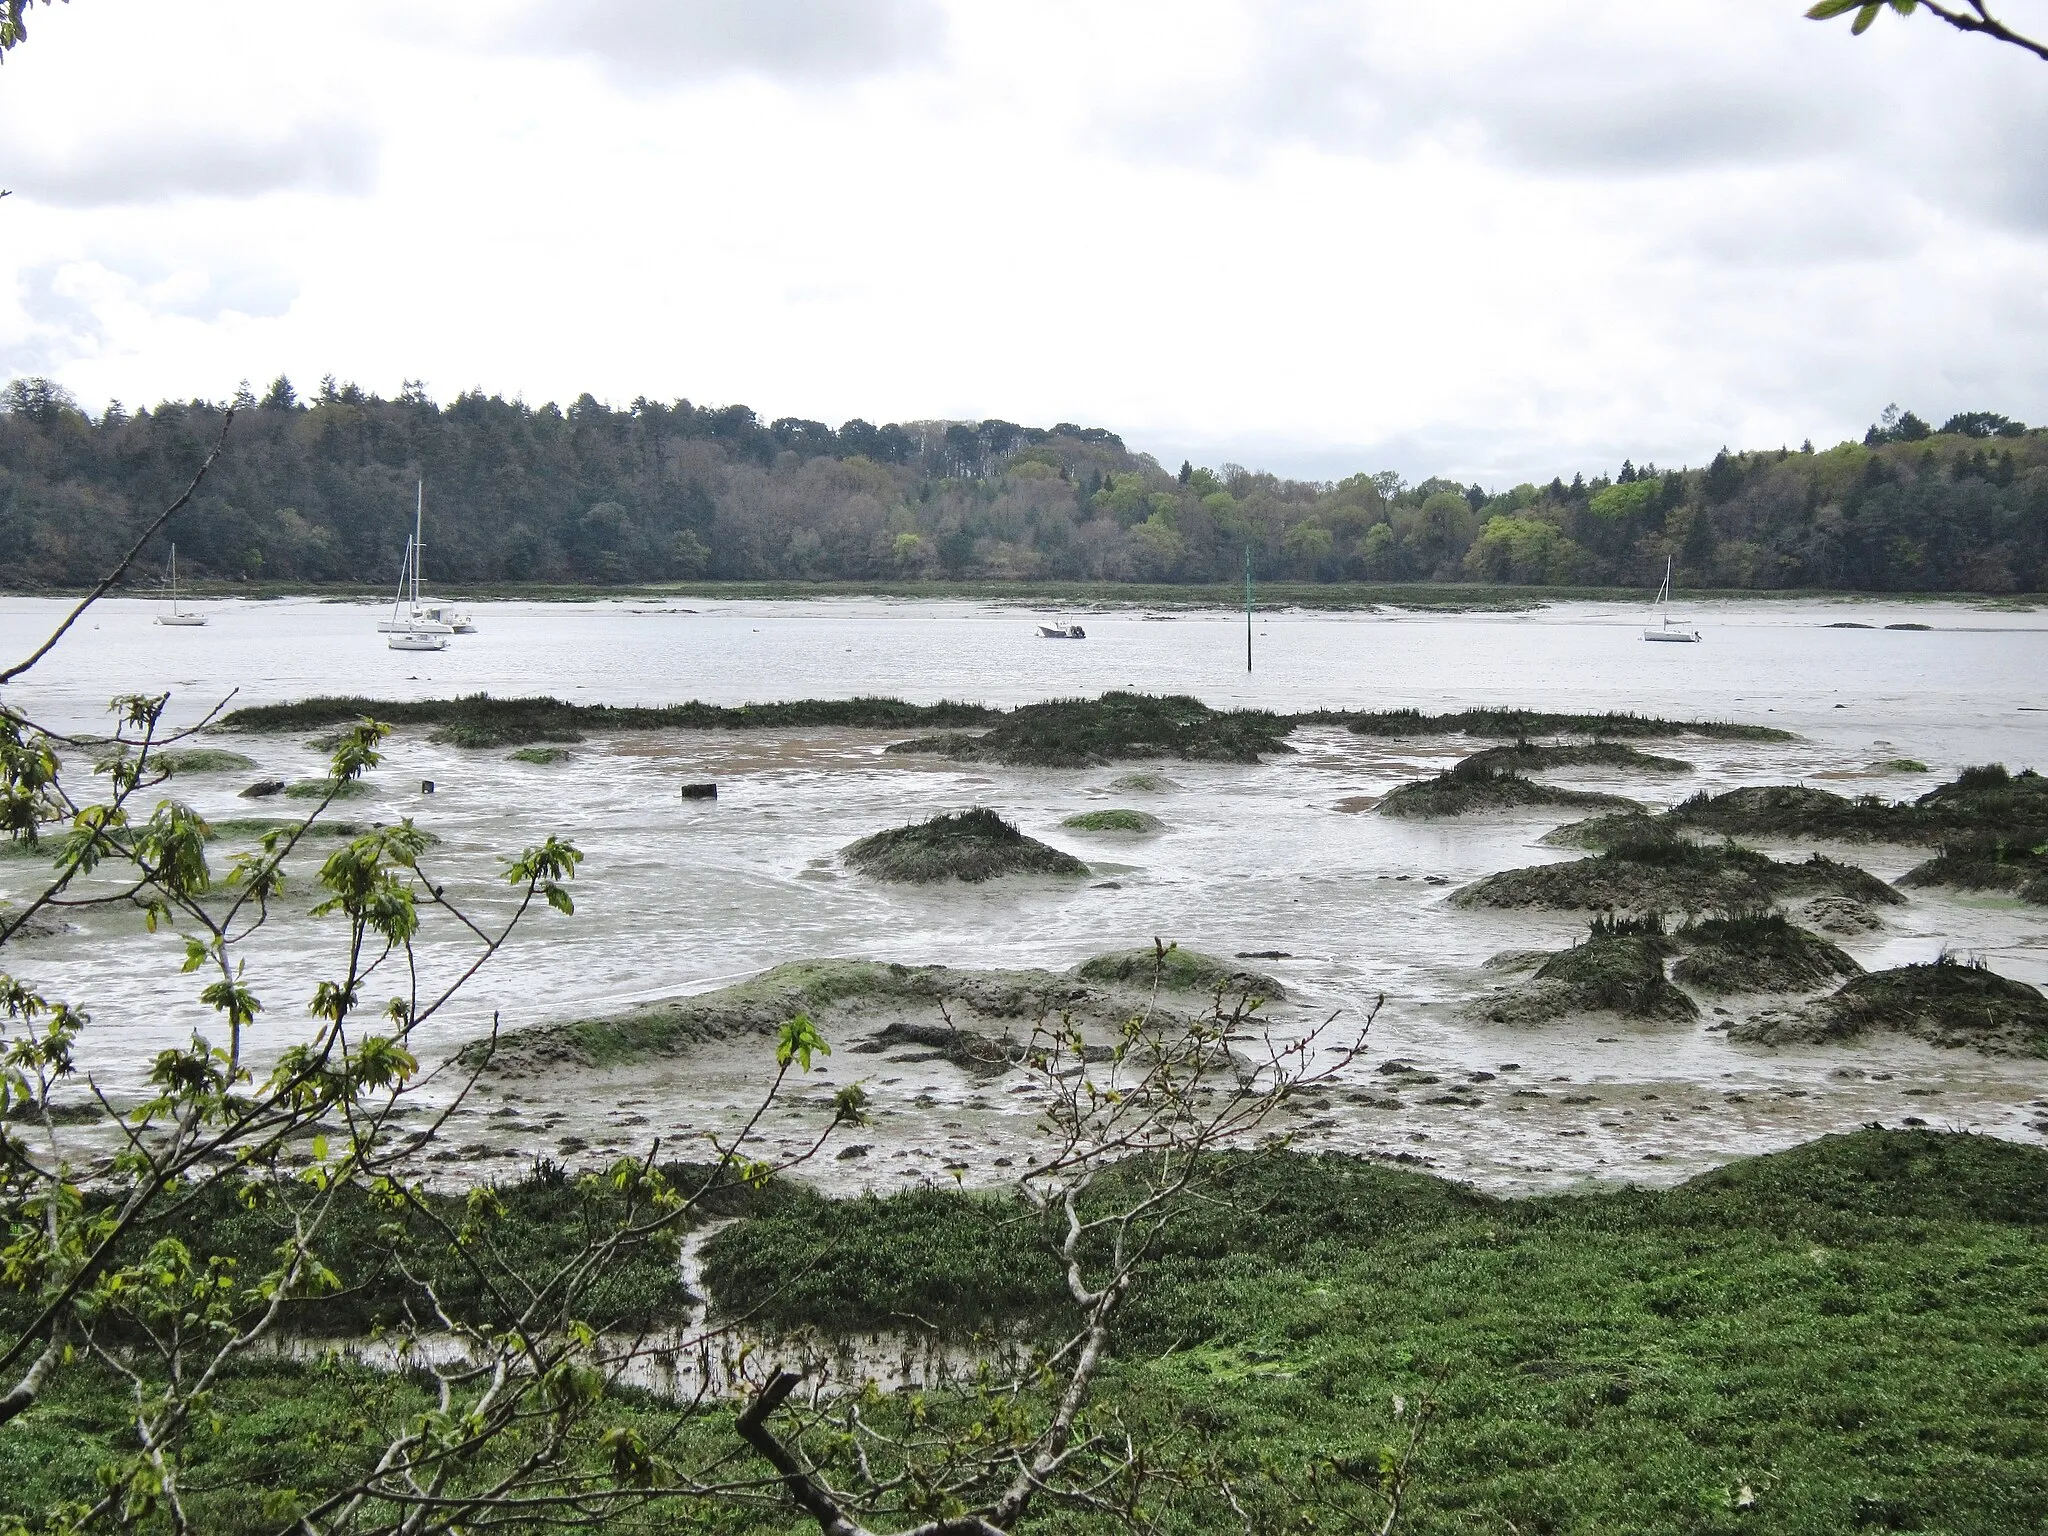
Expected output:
(1495, 239)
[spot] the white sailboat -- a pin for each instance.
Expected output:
(1676, 634)
(421, 618)
(417, 640)
(175, 617)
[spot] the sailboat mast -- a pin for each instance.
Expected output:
(419, 513)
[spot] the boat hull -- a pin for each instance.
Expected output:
(182, 620)
(1671, 637)
(417, 642)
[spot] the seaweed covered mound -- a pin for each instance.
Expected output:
(1519, 724)
(1114, 821)
(1796, 810)
(1118, 727)
(1464, 789)
(1531, 757)
(478, 720)
(1982, 805)
(1757, 952)
(191, 760)
(1673, 875)
(971, 845)
(1987, 863)
(1618, 968)
(1610, 830)
(1989, 793)
(1949, 1002)
(1180, 970)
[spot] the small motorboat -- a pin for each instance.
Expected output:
(417, 640)
(1062, 632)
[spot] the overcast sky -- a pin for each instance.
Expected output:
(1499, 239)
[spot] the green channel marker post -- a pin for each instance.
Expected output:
(1247, 608)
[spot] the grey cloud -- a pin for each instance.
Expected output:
(662, 42)
(1585, 100)
(144, 167)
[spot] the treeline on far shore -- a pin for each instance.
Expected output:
(318, 488)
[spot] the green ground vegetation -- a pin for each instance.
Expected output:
(972, 845)
(1845, 1336)
(542, 756)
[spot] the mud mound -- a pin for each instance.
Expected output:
(1796, 810)
(1673, 876)
(1518, 724)
(1610, 830)
(1461, 793)
(1840, 914)
(191, 760)
(842, 996)
(1529, 757)
(1949, 1003)
(1618, 969)
(1987, 864)
(1143, 782)
(1182, 970)
(1981, 805)
(971, 845)
(1116, 728)
(1757, 952)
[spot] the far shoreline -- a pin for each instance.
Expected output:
(1424, 597)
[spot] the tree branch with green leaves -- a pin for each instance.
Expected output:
(1975, 17)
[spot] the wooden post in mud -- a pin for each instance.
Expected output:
(1247, 608)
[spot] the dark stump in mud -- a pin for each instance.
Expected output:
(1950, 1002)
(1757, 952)
(971, 845)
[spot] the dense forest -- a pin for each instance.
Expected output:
(320, 489)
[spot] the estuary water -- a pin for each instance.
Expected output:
(678, 896)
